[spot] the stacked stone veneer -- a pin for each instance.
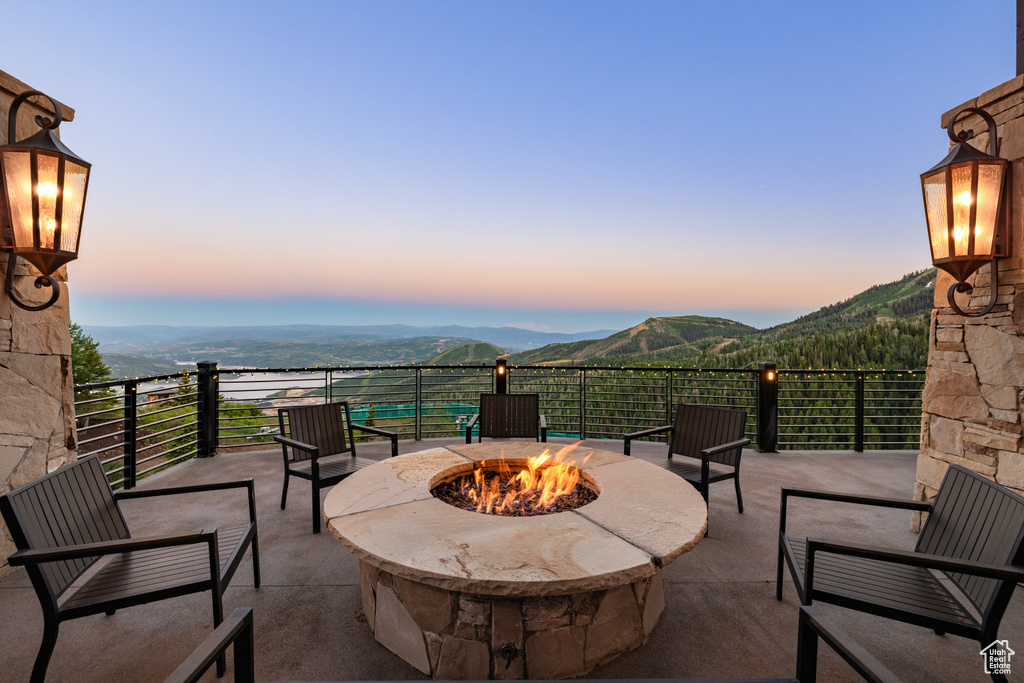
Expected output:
(37, 416)
(974, 390)
(451, 635)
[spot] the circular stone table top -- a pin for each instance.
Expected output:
(644, 518)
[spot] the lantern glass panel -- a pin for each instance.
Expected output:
(74, 194)
(962, 201)
(46, 190)
(990, 183)
(935, 206)
(18, 179)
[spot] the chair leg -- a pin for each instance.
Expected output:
(256, 559)
(806, 653)
(284, 490)
(218, 617)
(778, 575)
(51, 625)
(739, 496)
(316, 507)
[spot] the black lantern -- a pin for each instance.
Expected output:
(44, 186)
(964, 204)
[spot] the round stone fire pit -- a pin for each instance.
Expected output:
(464, 595)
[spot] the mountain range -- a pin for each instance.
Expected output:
(884, 326)
(141, 350)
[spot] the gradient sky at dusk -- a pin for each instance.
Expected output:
(561, 165)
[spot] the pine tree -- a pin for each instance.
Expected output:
(87, 364)
(87, 367)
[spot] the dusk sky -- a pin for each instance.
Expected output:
(558, 165)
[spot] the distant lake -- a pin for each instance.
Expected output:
(259, 385)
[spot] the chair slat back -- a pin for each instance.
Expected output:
(70, 506)
(509, 416)
(698, 427)
(324, 426)
(974, 519)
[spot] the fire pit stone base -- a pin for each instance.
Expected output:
(451, 635)
(464, 595)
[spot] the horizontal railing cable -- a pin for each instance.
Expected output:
(164, 419)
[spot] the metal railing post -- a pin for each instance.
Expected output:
(583, 403)
(131, 424)
(329, 389)
(418, 429)
(207, 417)
(858, 412)
(767, 407)
(668, 395)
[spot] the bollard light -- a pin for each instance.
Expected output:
(501, 376)
(44, 185)
(966, 207)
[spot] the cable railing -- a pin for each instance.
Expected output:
(141, 425)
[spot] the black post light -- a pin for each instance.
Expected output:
(501, 376)
(967, 208)
(42, 201)
(767, 407)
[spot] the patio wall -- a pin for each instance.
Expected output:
(37, 415)
(971, 406)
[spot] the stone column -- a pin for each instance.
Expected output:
(972, 400)
(37, 412)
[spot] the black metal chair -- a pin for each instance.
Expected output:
(509, 416)
(813, 625)
(714, 436)
(70, 522)
(972, 538)
(237, 630)
(317, 445)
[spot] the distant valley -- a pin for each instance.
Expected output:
(137, 351)
(885, 326)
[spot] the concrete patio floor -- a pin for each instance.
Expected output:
(721, 617)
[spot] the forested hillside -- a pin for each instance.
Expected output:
(651, 336)
(480, 352)
(885, 326)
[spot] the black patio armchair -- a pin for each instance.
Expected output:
(711, 442)
(509, 416)
(81, 558)
(317, 445)
(971, 539)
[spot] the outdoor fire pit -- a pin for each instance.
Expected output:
(459, 593)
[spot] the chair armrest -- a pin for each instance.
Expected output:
(375, 430)
(814, 624)
(910, 558)
(298, 445)
(901, 503)
(192, 488)
(469, 428)
(637, 435)
(127, 494)
(71, 552)
(708, 452)
(876, 501)
(380, 432)
(237, 629)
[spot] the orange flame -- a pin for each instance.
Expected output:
(495, 489)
